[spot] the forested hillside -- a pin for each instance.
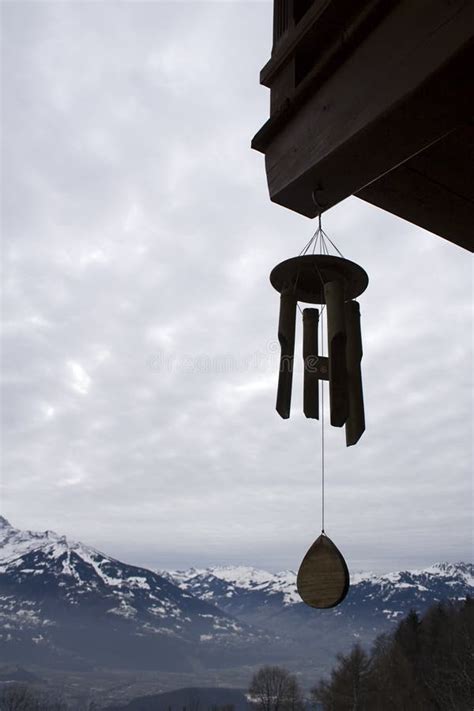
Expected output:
(427, 664)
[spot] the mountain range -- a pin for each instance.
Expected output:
(374, 604)
(257, 596)
(66, 605)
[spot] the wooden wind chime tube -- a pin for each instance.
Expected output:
(310, 358)
(355, 424)
(286, 337)
(334, 296)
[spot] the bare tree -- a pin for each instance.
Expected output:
(275, 689)
(16, 698)
(19, 697)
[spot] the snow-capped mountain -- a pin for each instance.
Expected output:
(65, 600)
(374, 602)
(65, 604)
(222, 583)
(227, 586)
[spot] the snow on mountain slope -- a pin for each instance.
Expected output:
(60, 594)
(374, 604)
(17, 544)
(229, 581)
(65, 603)
(243, 591)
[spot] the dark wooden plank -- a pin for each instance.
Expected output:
(413, 196)
(450, 162)
(324, 44)
(323, 17)
(379, 108)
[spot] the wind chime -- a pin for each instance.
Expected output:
(334, 283)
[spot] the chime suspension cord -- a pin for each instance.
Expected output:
(324, 250)
(307, 246)
(321, 238)
(319, 232)
(326, 237)
(322, 428)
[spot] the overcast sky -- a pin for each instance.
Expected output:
(139, 353)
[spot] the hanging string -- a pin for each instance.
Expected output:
(319, 242)
(332, 243)
(319, 239)
(322, 428)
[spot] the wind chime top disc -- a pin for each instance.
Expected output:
(307, 274)
(323, 577)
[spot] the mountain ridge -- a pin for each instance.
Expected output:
(53, 590)
(222, 585)
(64, 602)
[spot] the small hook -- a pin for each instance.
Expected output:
(319, 205)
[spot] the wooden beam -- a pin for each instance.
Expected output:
(433, 190)
(313, 22)
(326, 37)
(404, 88)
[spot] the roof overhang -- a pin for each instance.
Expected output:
(384, 112)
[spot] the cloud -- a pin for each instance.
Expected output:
(139, 351)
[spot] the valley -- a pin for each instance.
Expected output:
(97, 628)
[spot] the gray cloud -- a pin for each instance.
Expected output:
(140, 327)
